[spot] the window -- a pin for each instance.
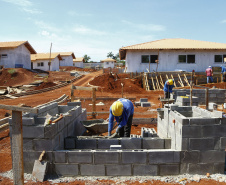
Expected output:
(40, 64)
(107, 63)
(186, 59)
(147, 58)
(4, 56)
(220, 58)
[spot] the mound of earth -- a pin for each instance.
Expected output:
(72, 68)
(113, 83)
(15, 76)
(45, 85)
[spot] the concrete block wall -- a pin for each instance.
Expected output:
(37, 137)
(116, 163)
(215, 95)
(126, 143)
(199, 134)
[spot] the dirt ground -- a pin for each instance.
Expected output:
(110, 86)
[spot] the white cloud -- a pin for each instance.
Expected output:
(24, 5)
(80, 29)
(46, 26)
(145, 27)
(224, 21)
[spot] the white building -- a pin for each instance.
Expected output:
(109, 62)
(16, 54)
(78, 62)
(46, 62)
(173, 54)
(67, 58)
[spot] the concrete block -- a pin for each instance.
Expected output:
(74, 104)
(212, 156)
(85, 157)
(201, 144)
(145, 104)
(50, 131)
(118, 170)
(145, 170)
(28, 144)
(222, 143)
(137, 103)
(66, 169)
(134, 157)
(219, 168)
(106, 143)
(69, 143)
(107, 157)
(60, 124)
(115, 147)
(143, 100)
(131, 143)
(28, 121)
(70, 129)
(153, 143)
(60, 156)
(169, 169)
(162, 157)
(33, 131)
(185, 144)
(214, 131)
(204, 121)
(201, 168)
(190, 156)
(86, 144)
(191, 131)
(43, 144)
(92, 170)
(167, 143)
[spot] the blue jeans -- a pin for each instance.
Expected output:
(209, 78)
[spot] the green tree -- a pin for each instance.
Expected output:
(86, 58)
(110, 55)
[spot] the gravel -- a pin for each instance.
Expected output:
(182, 179)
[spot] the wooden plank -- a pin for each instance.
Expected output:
(167, 77)
(16, 108)
(181, 81)
(157, 82)
(174, 81)
(186, 80)
(17, 148)
(84, 88)
(161, 81)
(147, 85)
(153, 84)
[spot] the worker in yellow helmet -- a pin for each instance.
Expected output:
(168, 88)
(122, 110)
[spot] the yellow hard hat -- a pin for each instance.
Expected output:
(117, 108)
(170, 81)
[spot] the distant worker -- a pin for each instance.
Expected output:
(223, 71)
(168, 88)
(122, 110)
(209, 74)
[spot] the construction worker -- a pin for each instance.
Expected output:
(168, 88)
(122, 110)
(223, 71)
(209, 74)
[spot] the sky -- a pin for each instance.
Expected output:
(97, 27)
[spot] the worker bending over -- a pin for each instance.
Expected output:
(122, 110)
(168, 88)
(223, 71)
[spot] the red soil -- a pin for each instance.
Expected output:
(71, 68)
(45, 85)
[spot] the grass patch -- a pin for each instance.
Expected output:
(11, 71)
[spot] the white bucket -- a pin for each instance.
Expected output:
(224, 105)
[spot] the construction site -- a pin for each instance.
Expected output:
(55, 124)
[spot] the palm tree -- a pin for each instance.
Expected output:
(110, 55)
(86, 58)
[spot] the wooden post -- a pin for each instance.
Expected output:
(72, 93)
(207, 98)
(196, 83)
(191, 86)
(221, 77)
(122, 89)
(94, 102)
(17, 148)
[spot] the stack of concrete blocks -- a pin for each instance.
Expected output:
(215, 95)
(37, 137)
(199, 134)
(143, 103)
(148, 132)
(185, 101)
